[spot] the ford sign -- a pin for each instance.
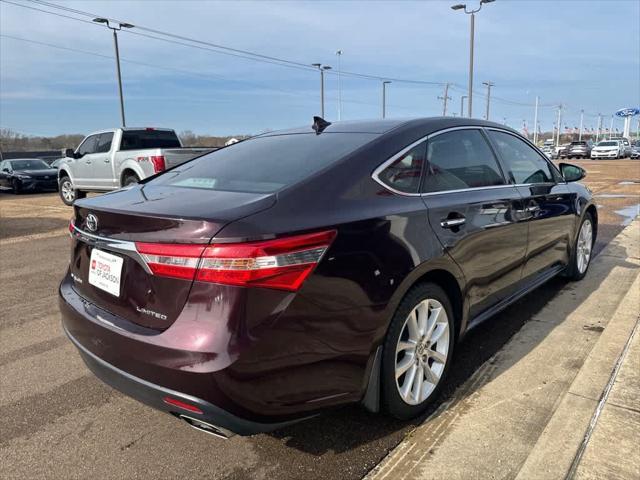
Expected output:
(628, 112)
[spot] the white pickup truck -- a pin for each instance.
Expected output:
(112, 159)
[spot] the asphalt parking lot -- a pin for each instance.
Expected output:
(58, 421)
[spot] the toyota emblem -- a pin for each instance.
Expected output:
(92, 222)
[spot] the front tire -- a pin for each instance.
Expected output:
(15, 186)
(582, 250)
(68, 194)
(417, 351)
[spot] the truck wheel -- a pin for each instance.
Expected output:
(417, 351)
(130, 179)
(68, 194)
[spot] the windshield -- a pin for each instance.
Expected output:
(608, 144)
(264, 164)
(35, 164)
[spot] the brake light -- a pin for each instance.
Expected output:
(282, 263)
(171, 260)
(72, 225)
(157, 161)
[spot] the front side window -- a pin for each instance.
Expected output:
(524, 164)
(460, 159)
(89, 145)
(104, 142)
(405, 172)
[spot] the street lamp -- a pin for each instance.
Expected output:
(462, 6)
(339, 55)
(322, 69)
(489, 85)
(115, 44)
(384, 97)
(462, 105)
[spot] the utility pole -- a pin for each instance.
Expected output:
(489, 85)
(115, 44)
(444, 99)
(322, 69)
(581, 121)
(462, 105)
(611, 128)
(558, 125)
(535, 122)
(339, 55)
(599, 127)
(384, 97)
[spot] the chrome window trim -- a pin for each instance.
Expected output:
(123, 247)
(388, 162)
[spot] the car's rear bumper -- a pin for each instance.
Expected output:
(150, 366)
(223, 423)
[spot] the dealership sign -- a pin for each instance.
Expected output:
(628, 112)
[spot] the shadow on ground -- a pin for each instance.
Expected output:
(11, 227)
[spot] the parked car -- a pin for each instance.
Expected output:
(608, 149)
(580, 149)
(635, 151)
(115, 158)
(309, 268)
(56, 163)
(562, 151)
(27, 174)
(548, 150)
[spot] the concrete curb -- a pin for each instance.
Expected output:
(554, 452)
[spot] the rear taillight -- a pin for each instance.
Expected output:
(282, 263)
(72, 226)
(157, 161)
(170, 260)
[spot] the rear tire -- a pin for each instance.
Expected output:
(130, 179)
(67, 193)
(582, 250)
(417, 351)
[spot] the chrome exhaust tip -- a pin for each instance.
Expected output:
(205, 427)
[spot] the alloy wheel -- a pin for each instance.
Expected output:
(67, 191)
(422, 351)
(585, 242)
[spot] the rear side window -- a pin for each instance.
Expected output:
(525, 165)
(104, 142)
(141, 139)
(264, 164)
(89, 145)
(460, 159)
(405, 172)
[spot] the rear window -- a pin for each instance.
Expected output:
(578, 143)
(264, 164)
(140, 139)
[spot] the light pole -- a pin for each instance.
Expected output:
(322, 69)
(489, 85)
(339, 55)
(535, 122)
(384, 97)
(611, 128)
(462, 6)
(558, 125)
(462, 105)
(581, 122)
(115, 44)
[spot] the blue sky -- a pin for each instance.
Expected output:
(585, 54)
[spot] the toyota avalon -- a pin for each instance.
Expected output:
(304, 269)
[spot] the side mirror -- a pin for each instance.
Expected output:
(572, 173)
(6, 170)
(69, 153)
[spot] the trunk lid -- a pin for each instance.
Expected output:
(146, 214)
(177, 156)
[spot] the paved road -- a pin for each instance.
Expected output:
(57, 421)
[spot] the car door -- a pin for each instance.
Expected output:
(4, 174)
(101, 167)
(548, 203)
(475, 214)
(81, 166)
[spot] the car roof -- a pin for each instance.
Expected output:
(381, 126)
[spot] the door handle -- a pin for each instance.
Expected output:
(452, 222)
(106, 160)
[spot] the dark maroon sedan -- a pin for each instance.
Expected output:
(304, 269)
